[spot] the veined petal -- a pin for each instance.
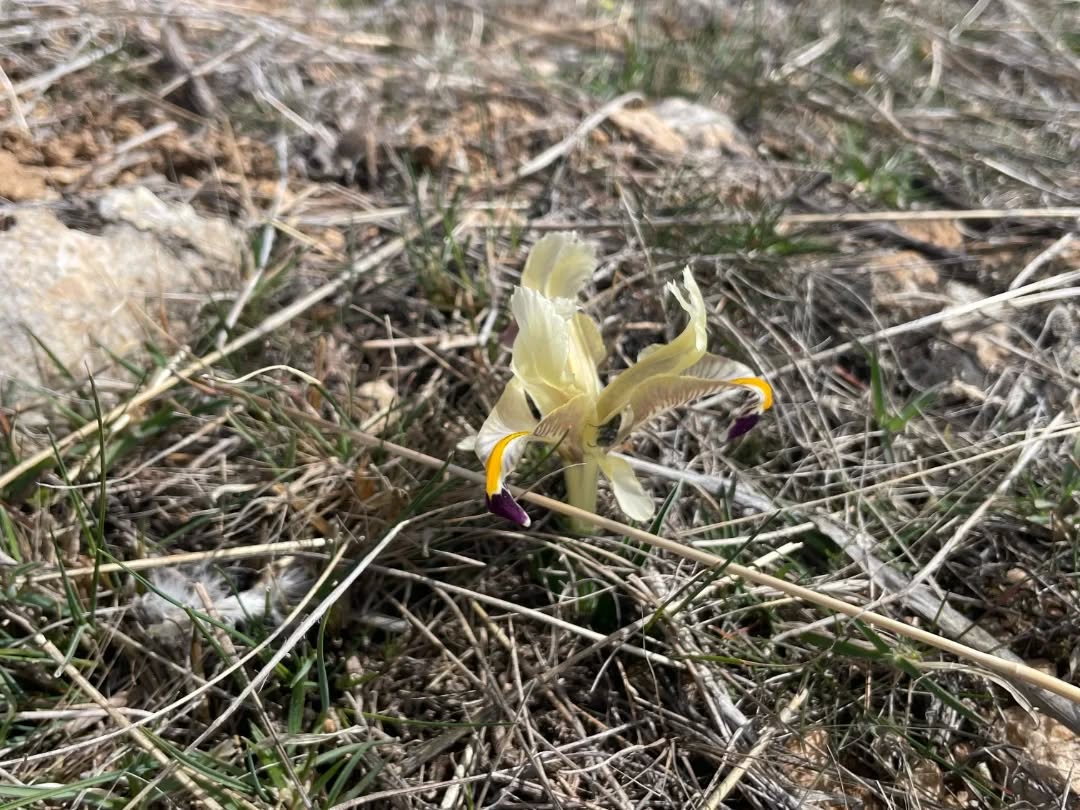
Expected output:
(632, 498)
(559, 265)
(566, 425)
(736, 374)
(588, 335)
(542, 347)
(709, 375)
(499, 445)
(671, 358)
(718, 367)
(501, 452)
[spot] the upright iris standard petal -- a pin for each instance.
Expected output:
(591, 342)
(586, 353)
(559, 265)
(542, 348)
(557, 269)
(670, 358)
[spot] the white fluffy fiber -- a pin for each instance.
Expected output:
(173, 589)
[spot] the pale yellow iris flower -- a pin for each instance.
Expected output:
(555, 364)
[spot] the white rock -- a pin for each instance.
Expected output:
(703, 128)
(80, 291)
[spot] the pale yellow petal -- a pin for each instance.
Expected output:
(508, 431)
(671, 358)
(709, 375)
(588, 334)
(718, 367)
(511, 414)
(714, 366)
(504, 455)
(632, 498)
(566, 426)
(542, 348)
(559, 266)
(586, 352)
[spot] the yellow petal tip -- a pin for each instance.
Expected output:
(493, 469)
(759, 385)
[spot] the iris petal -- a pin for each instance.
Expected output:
(710, 375)
(565, 426)
(632, 498)
(504, 455)
(501, 452)
(559, 266)
(671, 358)
(511, 414)
(586, 353)
(542, 347)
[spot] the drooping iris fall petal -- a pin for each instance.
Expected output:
(632, 498)
(508, 431)
(710, 375)
(511, 414)
(668, 358)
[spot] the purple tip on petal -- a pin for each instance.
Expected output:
(742, 424)
(503, 504)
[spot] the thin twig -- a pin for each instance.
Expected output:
(859, 547)
(787, 716)
(1000, 490)
(1014, 298)
(176, 49)
(13, 100)
(838, 218)
(296, 635)
(226, 672)
(139, 736)
(1047, 255)
(266, 243)
(570, 142)
(42, 81)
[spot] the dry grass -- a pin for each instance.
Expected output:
(392, 164)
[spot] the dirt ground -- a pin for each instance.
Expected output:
(231, 580)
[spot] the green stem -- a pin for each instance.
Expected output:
(581, 482)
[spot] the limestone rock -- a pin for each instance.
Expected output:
(1050, 748)
(80, 291)
(675, 126)
(214, 239)
(702, 127)
(646, 126)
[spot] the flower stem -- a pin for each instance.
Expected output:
(581, 481)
